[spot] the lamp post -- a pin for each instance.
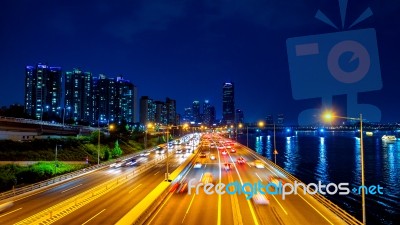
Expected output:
(55, 161)
(275, 151)
(167, 174)
(329, 116)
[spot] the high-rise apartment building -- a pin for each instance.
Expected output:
(196, 111)
(228, 103)
(43, 91)
(79, 99)
(161, 112)
(171, 111)
(147, 110)
(125, 99)
(105, 94)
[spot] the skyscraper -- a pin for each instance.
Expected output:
(228, 103)
(161, 112)
(43, 91)
(105, 94)
(171, 111)
(147, 110)
(196, 111)
(79, 100)
(125, 99)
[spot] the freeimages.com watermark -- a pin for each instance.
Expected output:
(279, 188)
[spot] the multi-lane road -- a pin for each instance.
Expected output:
(108, 208)
(182, 208)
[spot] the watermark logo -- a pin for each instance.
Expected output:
(279, 188)
(339, 63)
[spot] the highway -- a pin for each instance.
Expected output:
(112, 205)
(182, 208)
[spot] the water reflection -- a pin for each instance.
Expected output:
(269, 147)
(291, 155)
(259, 145)
(322, 166)
(357, 162)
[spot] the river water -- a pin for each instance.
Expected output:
(334, 157)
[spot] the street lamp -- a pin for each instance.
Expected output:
(148, 126)
(330, 116)
(275, 151)
(167, 174)
(55, 161)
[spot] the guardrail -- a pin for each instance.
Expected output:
(61, 178)
(61, 209)
(341, 213)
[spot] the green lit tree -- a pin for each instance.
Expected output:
(117, 151)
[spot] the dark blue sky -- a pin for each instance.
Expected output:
(186, 49)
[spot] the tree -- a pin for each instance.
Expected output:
(106, 154)
(117, 151)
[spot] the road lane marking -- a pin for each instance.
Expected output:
(316, 210)
(201, 176)
(253, 214)
(157, 173)
(134, 188)
(71, 188)
(248, 164)
(259, 177)
(155, 214)
(190, 204)
(280, 205)
(31, 194)
(10, 212)
(93, 217)
(219, 196)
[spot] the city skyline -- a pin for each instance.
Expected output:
(187, 50)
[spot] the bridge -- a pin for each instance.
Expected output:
(135, 191)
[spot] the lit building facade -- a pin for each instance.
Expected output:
(79, 98)
(228, 103)
(43, 91)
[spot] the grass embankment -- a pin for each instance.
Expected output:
(16, 175)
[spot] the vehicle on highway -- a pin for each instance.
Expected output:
(117, 163)
(212, 157)
(160, 150)
(227, 166)
(145, 153)
(130, 162)
(233, 150)
(258, 164)
(5, 206)
(260, 199)
(207, 178)
(197, 165)
(224, 152)
(203, 155)
(240, 160)
(178, 151)
(221, 148)
(276, 180)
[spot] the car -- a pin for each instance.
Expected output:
(160, 150)
(221, 148)
(276, 180)
(117, 163)
(233, 150)
(197, 165)
(212, 157)
(145, 153)
(240, 160)
(178, 151)
(224, 152)
(202, 155)
(258, 164)
(130, 162)
(207, 178)
(227, 166)
(260, 199)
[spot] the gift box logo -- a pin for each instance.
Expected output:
(339, 63)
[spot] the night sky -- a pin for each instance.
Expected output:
(186, 49)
